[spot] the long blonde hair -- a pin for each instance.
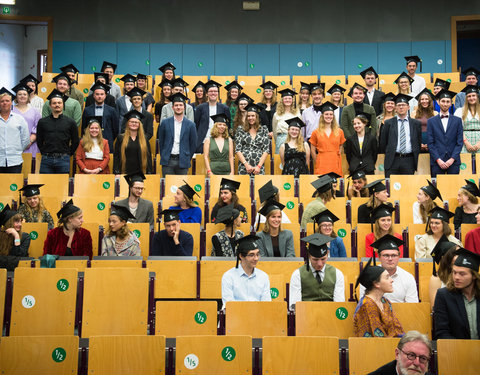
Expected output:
(266, 227)
(256, 126)
(466, 109)
(272, 101)
(40, 206)
(322, 124)
(299, 142)
(6, 241)
(426, 208)
(377, 231)
(87, 140)
(281, 110)
(143, 146)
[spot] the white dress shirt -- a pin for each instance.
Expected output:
(370, 96)
(408, 142)
(418, 85)
(444, 121)
(177, 125)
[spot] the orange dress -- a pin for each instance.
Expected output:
(328, 151)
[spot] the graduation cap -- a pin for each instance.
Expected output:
(170, 215)
(102, 75)
(336, 88)
(30, 78)
(134, 177)
(387, 242)
(210, 83)
(467, 259)
(94, 119)
(178, 97)
(358, 173)
(233, 85)
(472, 188)
(122, 212)
(471, 72)
(107, 64)
(432, 191)
(296, 121)
(441, 248)
(317, 245)
(22, 87)
(442, 83)
(328, 106)
(3, 90)
(99, 86)
(167, 66)
(425, 91)
(178, 82)
(402, 98)
(366, 116)
(165, 82)
(68, 209)
(188, 190)
(369, 274)
(70, 68)
(368, 71)
(356, 86)
(383, 210)
(305, 86)
(6, 214)
(267, 191)
(63, 76)
(243, 96)
(323, 184)
(269, 85)
(316, 86)
(57, 94)
(376, 186)
(197, 85)
(252, 107)
(136, 92)
(245, 244)
(445, 94)
(226, 214)
(128, 78)
(389, 97)
(287, 92)
(231, 185)
(133, 113)
(334, 176)
(141, 76)
(470, 88)
(325, 216)
(441, 213)
(414, 59)
(31, 190)
(402, 75)
(270, 206)
(220, 117)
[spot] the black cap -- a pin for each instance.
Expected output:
(226, 214)
(134, 177)
(31, 190)
(269, 85)
(188, 190)
(442, 83)
(317, 244)
(233, 85)
(415, 59)
(376, 186)
(6, 214)
(107, 64)
(136, 92)
(197, 85)
(128, 78)
(336, 88)
(3, 90)
(369, 71)
(287, 92)
(425, 91)
(247, 243)
(389, 97)
(57, 94)
(231, 185)
(133, 113)
(432, 191)
(22, 87)
(99, 85)
(122, 212)
(178, 82)
(243, 96)
(467, 259)
(471, 88)
(305, 86)
(445, 94)
(62, 76)
(317, 85)
(472, 188)
(441, 248)
(323, 184)
(387, 242)
(441, 213)
(328, 106)
(178, 97)
(30, 78)
(220, 117)
(211, 83)
(295, 121)
(402, 98)
(402, 75)
(356, 86)
(105, 76)
(165, 82)
(252, 107)
(68, 209)
(369, 274)
(141, 76)
(170, 215)
(383, 210)
(358, 173)
(471, 72)
(366, 116)
(270, 206)
(167, 66)
(92, 119)
(70, 68)
(267, 191)
(325, 216)
(334, 176)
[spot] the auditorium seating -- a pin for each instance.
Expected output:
(458, 356)
(3, 287)
(38, 235)
(379, 351)
(98, 185)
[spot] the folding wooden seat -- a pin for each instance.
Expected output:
(78, 262)
(449, 184)
(243, 190)
(94, 230)
(97, 185)
(95, 209)
(414, 316)
(342, 229)
(406, 186)
(285, 184)
(27, 164)
(279, 271)
(282, 82)
(350, 269)
(45, 88)
(386, 79)
(464, 229)
(211, 272)
(450, 76)
(466, 164)
(331, 80)
(8, 199)
(355, 203)
(355, 78)
(458, 356)
(425, 269)
(3, 288)
(366, 354)
(192, 81)
(55, 184)
(142, 231)
(423, 166)
(38, 235)
(116, 262)
(11, 183)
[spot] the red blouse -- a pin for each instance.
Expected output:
(370, 238)
(56, 242)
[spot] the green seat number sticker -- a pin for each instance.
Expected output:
(274, 293)
(59, 354)
(463, 166)
(1, 206)
(33, 235)
(200, 317)
(106, 185)
(137, 233)
(62, 285)
(290, 205)
(13, 187)
(341, 313)
(342, 232)
(287, 186)
(198, 187)
(228, 354)
(101, 206)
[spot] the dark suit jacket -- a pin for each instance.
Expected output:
(144, 213)
(285, 244)
(389, 369)
(389, 139)
(109, 122)
(377, 101)
(109, 100)
(188, 141)
(121, 106)
(202, 119)
(147, 123)
(367, 157)
(450, 316)
(348, 114)
(444, 145)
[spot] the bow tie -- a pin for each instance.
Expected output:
(317, 108)
(443, 116)
(98, 107)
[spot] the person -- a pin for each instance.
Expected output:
(140, 208)
(71, 108)
(168, 71)
(223, 242)
(373, 97)
(14, 135)
(147, 99)
(71, 72)
(358, 186)
(109, 69)
(388, 111)
(425, 202)
(101, 78)
(418, 83)
(267, 193)
(69, 238)
(401, 140)
(124, 103)
(336, 98)
(268, 105)
(422, 112)
(35, 101)
(404, 82)
(316, 280)
(445, 138)
(381, 222)
(57, 136)
(200, 95)
(190, 212)
(467, 204)
(325, 221)
(136, 98)
(286, 110)
(204, 111)
(33, 209)
(311, 115)
(327, 141)
(437, 226)
(119, 240)
(374, 315)
(357, 93)
(178, 86)
(455, 312)
(438, 86)
(470, 115)
(412, 355)
(323, 194)
(304, 97)
(472, 238)
(108, 115)
(252, 143)
(245, 282)
(23, 108)
(273, 240)
(13, 242)
(218, 149)
(228, 195)
(93, 152)
(177, 139)
(165, 94)
(240, 118)
(234, 89)
(389, 250)
(132, 151)
(172, 241)
(378, 195)
(471, 79)
(295, 152)
(361, 148)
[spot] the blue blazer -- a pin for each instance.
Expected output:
(188, 141)
(444, 145)
(202, 120)
(109, 123)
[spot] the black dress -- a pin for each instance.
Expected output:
(295, 162)
(266, 117)
(133, 156)
(463, 218)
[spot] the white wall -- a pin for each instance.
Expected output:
(36, 39)
(11, 54)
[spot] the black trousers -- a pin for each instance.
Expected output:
(402, 165)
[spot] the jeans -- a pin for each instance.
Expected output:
(173, 168)
(55, 164)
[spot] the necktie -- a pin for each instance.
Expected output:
(317, 108)
(403, 137)
(443, 116)
(317, 276)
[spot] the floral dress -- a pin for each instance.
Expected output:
(295, 162)
(252, 148)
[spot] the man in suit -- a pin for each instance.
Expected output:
(444, 137)
(456, 309)
(373, 97)
(109, 69)
(471, 78)
(136, 98)
(357, 93)
(110, 99)
(203, 112)
(141, 209)
(124, 104)
(177, 139)
(178, 85)
(438, 86)
(412, 356)
(400, 140)
(108, 114)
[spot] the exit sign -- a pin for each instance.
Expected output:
(6, 10)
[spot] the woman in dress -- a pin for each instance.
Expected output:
(32, 209)
(378, 194)
(358, 186)
(218, 149)
(295, 152)
(183, 199)
(223, 242)
(361, 148)
(388, 112)
(31, 115)
(252, 143)
(93, 153)
(142, 84)
(286, 110)
(119, 240)
(325, 221)
(35, 101)
(327, 141)
(470, 115)
(382, 218)
(200, 97)
(304, 97)
(13, 242)
(166, 86)
(467, 204)
(69, 238)
(132, 151)
(241, 113)
(425, 203)
(233, 91)
(404, 86)
(336, 98)
(228, 195)
(422, 112)
(268, 105)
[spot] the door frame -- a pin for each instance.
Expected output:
(453, 32)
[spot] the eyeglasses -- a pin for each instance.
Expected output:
(412, 356)
(390, 256)
(326, 226)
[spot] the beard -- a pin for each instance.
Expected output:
(410, 370)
